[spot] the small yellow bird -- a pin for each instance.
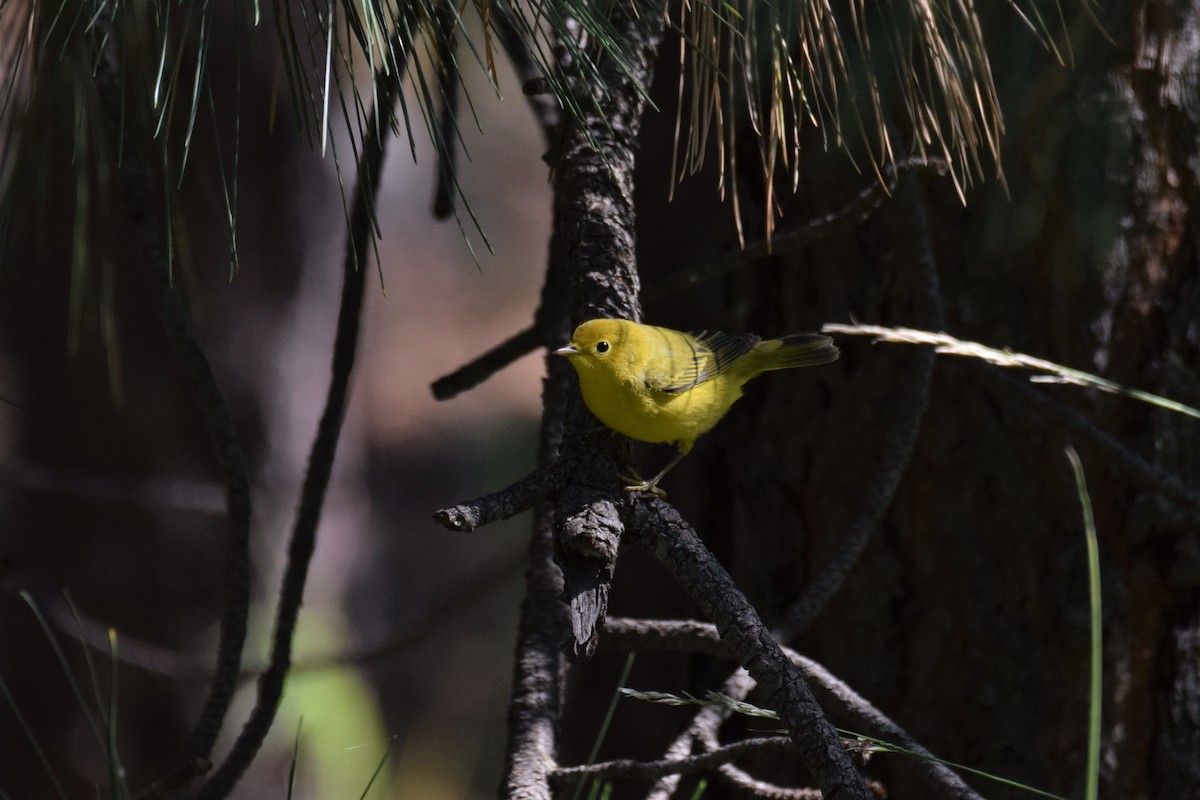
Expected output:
(659, 385)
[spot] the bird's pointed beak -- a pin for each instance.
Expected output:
(566, 351)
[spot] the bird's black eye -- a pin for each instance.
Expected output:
(602, 347)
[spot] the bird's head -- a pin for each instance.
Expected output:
(595, 343)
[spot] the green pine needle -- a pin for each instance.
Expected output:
(608, 717)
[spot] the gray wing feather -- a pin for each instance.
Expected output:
(712, 353)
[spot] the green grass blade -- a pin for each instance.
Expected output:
(291, 785)
(378, 769)
(608, 717)
(1095, 701)
(94, 677)
(62, 660)
(887, 747)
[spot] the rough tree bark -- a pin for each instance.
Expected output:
(966, 616)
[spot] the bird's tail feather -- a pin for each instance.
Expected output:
(797, 350)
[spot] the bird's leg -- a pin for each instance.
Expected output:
(637, 484)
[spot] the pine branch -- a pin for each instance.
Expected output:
(141, 201)
(628, 768)
(659, 526)
(540, 484)
(621, 635)
(320, 465)
(485, 366)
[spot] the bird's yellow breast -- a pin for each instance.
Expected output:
(622, 400)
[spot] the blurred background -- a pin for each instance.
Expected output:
(109, 494)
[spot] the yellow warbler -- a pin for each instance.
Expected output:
(659, 385)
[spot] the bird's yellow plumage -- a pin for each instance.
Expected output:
(659, 385)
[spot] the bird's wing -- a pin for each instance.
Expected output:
(695, 358)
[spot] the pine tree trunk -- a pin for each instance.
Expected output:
(966, 617)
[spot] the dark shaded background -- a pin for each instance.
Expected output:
(966, 619)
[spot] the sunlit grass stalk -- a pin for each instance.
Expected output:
(946, 344)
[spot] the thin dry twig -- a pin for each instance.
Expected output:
(485, 366)
(320, 464)
(139, 196)
(659, 526)
(643, 770)
(540, 484)
(692, 636)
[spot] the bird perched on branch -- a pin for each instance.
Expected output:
(659, 385)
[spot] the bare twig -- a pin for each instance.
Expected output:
(536, 699)
(749, 785)
(834, 694)
(625, 634)
(628, 768)
(485, 366)
(139, 197)
(540, 484)
(676, 545)
(320, 464)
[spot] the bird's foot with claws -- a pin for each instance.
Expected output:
(636, 483)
